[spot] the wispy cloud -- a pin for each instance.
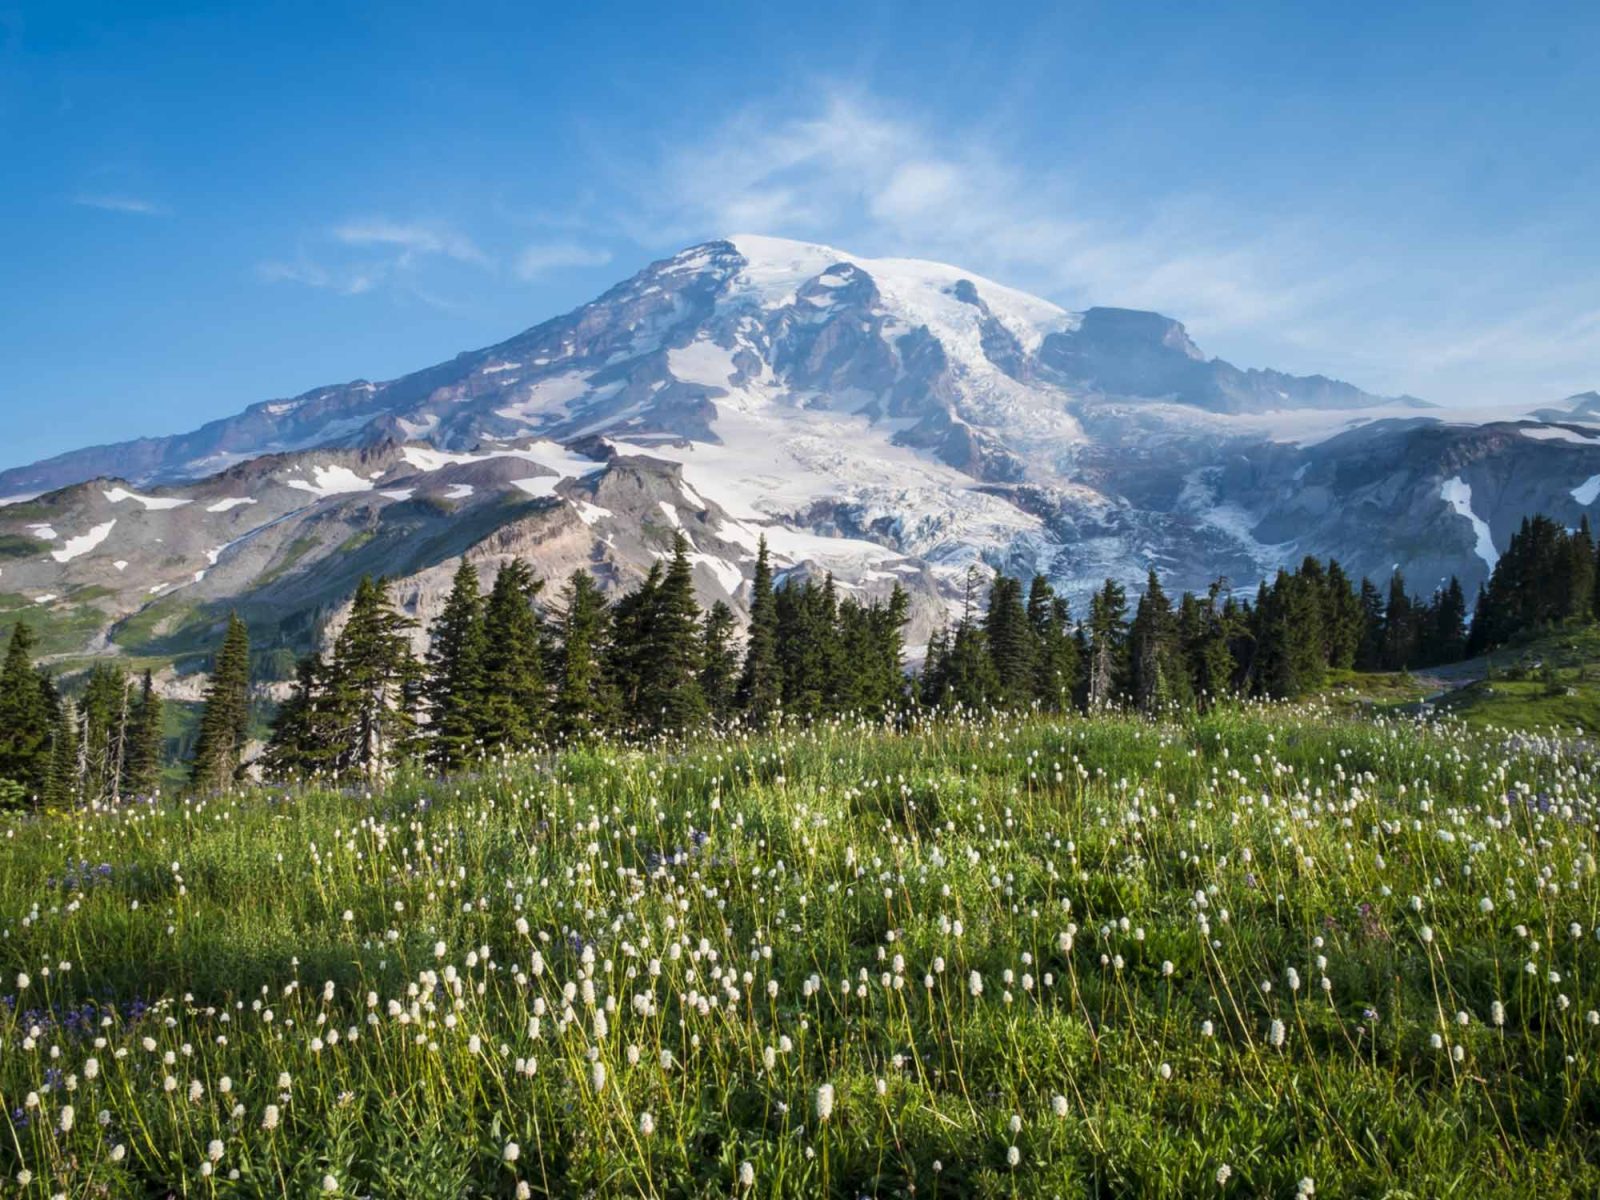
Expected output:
(853, 171)
(350, 280)
(544, 257)
(134, 205)
(412, 239)
(1303, 292)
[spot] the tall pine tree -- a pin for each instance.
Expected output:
(760, 691)
(225, 720)
(514, 708)
(457, 662)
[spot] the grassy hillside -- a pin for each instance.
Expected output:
(1023, 958)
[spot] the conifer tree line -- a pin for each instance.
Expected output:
(515, 668)
(105, 746)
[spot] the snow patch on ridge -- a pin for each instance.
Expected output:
(1457, 493)
(332, 481)
(151, 503)
(1586, 491)
(78, 546)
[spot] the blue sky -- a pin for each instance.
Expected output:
(204, 205)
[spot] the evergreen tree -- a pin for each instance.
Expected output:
(1369, 651)
(760, 691)
(141, 767)
(26, 716)
(670, 698)
(628, 664)
(1447, 634)
(1159, 677)
(372, 684)
(1108, 644)
(806, 645)
(1056, 665)
(719, 663)
(225, 720)
(303, 736)
(1574, 573)
(454, 692)
(513, 708)
(1208, 657)
(1013, 646)
(1399, 626)
(103, 725)
(61, 785)
(935, 670)
(583, 706)
(1345, 615)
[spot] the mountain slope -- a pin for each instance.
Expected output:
(886, 420)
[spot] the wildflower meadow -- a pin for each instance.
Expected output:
(1264, 951)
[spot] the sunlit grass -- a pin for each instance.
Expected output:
(1013, 956)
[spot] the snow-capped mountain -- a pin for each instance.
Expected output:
(886, 420)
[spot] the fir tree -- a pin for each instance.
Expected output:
(670, 698)
(628, 665)
(141, 767)
(103, 732)
(61, 785)
(1108, 644)
(1448, 628)
(1399, 626)
(225, 720)
(1160, 677)
(719, 662)
(1207, 655)
(372, 682)
(1013, 646)
(1369, 652)
(760, 691)
(302, 742)
(1056, 665)
(513, 708)
(1346, 621)
(26, 716)
(583, 706)
(454, 690)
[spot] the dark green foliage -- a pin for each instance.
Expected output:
(669, 691)
(760, 691)
(513, 707)
(103, 733)
(1013, 645)
(226, 719)
(453, 692)
(1056, 663)
(146, 742)
(584, 704)
(719, 662)
(26, 716)
(1108, 645)
(61, 784)
(1545, 577)
(1160, 676)
(372, 686)
(302, 742)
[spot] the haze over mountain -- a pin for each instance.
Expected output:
(885, 420)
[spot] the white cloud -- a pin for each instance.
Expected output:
(882, 183)
(1305, 293)
(134, 205)
(350, 280)
(410, 238)
(542, 257)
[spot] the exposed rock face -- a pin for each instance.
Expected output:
(886, 420)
